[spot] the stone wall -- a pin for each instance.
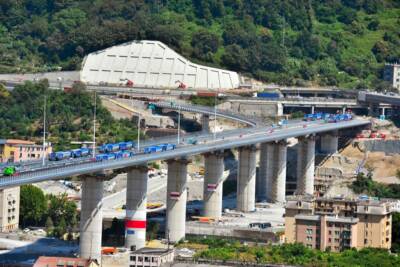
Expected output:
(387, 146)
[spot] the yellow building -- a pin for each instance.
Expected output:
(14, 150)
(337, 223)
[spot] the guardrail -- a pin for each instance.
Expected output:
(258, 135)
(208, 111)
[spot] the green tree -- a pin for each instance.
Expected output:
(33, 205)
(62, 210)
(204, 45)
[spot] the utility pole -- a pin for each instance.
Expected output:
(94, 125)
(44, 133)
(179, 124)
(215, 116)
(138, 124)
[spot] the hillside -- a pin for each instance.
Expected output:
(294, 42)
(69, 116)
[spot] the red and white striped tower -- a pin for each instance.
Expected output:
(136, 202)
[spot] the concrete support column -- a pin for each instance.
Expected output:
(262, 185)
(91, 218)
(383, 112)
(312, 109)
(205, 123)
(246, 182)
(305, 165)
(329, 142)
(276, 173)
(136, 202)
(214, 170)
(176, 199)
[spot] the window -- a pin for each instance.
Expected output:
(329, 240)
(309, 245)
(309, 238)
(146, 259)
(337, 240)
(365, 241)
(366, 233)
(337, 232)
(133, 258)
(309, 231)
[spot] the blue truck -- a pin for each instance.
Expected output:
(80, 152)
(166, 147)
(107, 148)
(109, 156)
(269, 95)
(125, 145)
(152, 149)
(60, 155)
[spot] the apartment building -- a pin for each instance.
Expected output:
(337, 223)
(14, 150)
(391, 74)
(9, 209)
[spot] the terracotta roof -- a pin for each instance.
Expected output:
(19, 142)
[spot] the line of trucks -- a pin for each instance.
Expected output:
(109, 151)
(332, 118)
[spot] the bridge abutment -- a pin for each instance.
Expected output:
(305, 165)
(213, 182)
(246, 181)
(91, 218)
(176, 200)
(136, 202)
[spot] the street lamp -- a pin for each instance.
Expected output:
(94, 125)
(44, 132)
(138, 124)
(179, 123)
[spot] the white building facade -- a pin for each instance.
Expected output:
(151, 64)
(392, 75)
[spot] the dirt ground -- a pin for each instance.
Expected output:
(384, 166)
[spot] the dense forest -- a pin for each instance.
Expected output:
(295, 42)
(69, 116)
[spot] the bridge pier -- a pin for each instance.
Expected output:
(262, 185)
(91, 218)
(214, 171)
(205, 123)
(176, 200)
(136, 202)
(246, 182)
(329, 142)
(305, 165)
(276, 173)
